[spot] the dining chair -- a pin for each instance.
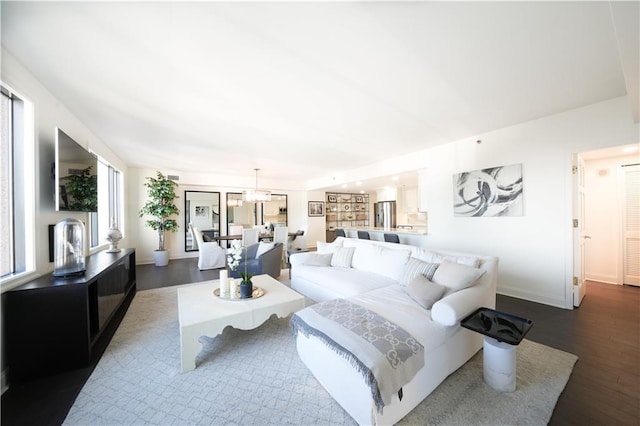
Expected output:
(250, 236)
(235, 229)
(281, 235)
(299, 240)
(210, 254)
(392, 238)
(363, 235)
(340, 233)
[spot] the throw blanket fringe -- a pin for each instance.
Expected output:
(297, 324)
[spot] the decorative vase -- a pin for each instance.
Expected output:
(113, 236)
(246, 289)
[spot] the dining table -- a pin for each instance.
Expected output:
(261, 237)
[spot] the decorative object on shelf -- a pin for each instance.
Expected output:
(162, 193)
(347, 211)
(496, 191)
(316, 208)
(69, 248)
(256, 195)
(113, 236)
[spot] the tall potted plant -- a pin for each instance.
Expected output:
(161, 207)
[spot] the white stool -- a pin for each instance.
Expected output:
(499, 365)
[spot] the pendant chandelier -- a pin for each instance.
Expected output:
(256, 195)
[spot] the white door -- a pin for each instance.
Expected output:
(631, 222)
(579, 237)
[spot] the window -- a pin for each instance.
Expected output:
(17, 177)
(109, 202)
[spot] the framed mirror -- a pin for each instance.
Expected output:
(274, 212)
(202, 209)
(240, 212)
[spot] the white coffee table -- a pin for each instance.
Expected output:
(201, 313)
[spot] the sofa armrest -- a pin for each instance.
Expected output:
(453, 308)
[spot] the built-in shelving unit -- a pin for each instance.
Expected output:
(55, 324)
(347, 210)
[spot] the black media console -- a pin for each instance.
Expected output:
(55, 324)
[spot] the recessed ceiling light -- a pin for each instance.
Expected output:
(358, 183)
(362, 191)
(630, 149)
(395, 178)
(344, 185)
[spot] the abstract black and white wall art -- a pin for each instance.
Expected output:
(496, 191)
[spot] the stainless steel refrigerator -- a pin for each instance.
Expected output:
(385, 214)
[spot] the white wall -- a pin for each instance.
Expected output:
(49, 114)
(535, 250)
(603, 218)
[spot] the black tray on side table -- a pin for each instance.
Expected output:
(501, 326)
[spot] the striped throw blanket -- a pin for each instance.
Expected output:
(385, 354)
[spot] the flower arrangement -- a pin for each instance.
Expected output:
(234, 257)
(235, 254)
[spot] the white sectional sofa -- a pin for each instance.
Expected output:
(389, 279)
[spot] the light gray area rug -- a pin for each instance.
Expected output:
(255, 378)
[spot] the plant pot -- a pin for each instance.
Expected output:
(161, 257)
(246, 289)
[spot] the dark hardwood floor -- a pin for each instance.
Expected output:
(604, 332)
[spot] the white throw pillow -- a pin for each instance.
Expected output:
(424, 291)
(456, 276)
(342, 257)
(429, 256)
(415, 267)
(389, 262)
(324, 248)
(318, 259)
(263, 248)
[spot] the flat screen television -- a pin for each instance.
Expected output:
(75, 176)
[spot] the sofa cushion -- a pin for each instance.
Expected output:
(415, 267)
(318, 259)
(329, 283)
(342, 257)
(435, 257)
(456, 276)
(380, 260)
(424, 291)
(322, 247)
(263, 248)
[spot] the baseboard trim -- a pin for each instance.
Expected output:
(531, 297)
(607, 279)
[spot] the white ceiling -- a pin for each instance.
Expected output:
(304, 90)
